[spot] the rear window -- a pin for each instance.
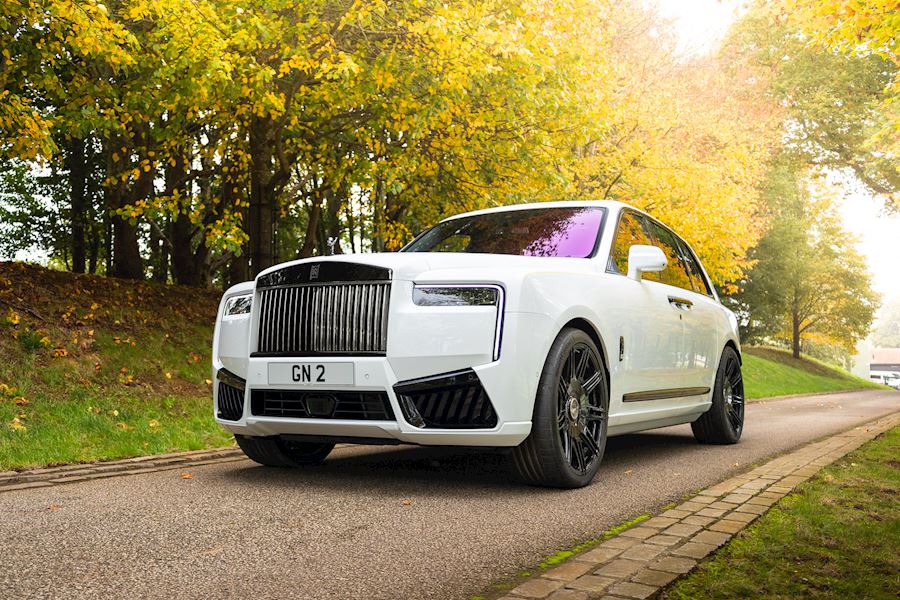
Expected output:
(560, 232)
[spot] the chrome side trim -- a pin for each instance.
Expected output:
(664, 394)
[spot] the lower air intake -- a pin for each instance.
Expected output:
(361, 406)
(449, 401)
(231, 402)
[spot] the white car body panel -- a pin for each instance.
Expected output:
(665, 347)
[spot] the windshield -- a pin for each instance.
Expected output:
(561, 232)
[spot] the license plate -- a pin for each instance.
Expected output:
(311, 373)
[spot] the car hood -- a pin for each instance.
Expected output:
(452, 266)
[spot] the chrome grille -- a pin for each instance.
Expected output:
(330, 318)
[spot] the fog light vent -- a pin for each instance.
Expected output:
(448, 401)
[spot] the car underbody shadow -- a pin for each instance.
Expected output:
(459, 468)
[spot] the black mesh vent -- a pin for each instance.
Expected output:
(231, 402)
(363, 406)
(450, 401)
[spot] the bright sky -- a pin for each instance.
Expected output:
(700, 24)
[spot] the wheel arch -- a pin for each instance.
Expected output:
(731, 344)
(587, 327)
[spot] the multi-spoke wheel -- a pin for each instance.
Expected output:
(568, 431)
(724, 421)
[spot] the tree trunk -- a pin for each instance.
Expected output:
(335, 199)
(351, 228)
(126, 254)
(77, 186)
(378, 218)
(312, 227)
(238, 269)
(262, 192)
(795, 334)
(184, 269)
(159, 255)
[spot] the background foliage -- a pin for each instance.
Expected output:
(201, 141)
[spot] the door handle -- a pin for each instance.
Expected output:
(682, 303)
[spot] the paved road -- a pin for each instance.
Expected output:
(343, 530)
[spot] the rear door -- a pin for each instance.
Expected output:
(701, 323)
(696, 314)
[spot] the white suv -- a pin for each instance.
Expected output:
(544, 328)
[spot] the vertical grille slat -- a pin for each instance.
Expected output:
(326, 318)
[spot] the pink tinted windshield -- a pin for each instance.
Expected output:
(568, 232)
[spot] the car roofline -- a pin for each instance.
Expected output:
(609, 204)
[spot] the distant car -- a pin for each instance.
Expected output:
(889, 378)
(544, 328)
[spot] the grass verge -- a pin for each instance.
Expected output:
(98, 368)
(834, 537)
(770, 372)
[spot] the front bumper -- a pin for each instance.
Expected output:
(510, 383)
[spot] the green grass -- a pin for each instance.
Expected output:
(99, 368)
(769, 372)
(835, 537)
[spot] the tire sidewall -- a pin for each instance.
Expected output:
(719, 397)
(546, 403)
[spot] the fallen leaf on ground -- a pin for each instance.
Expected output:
(629, 471)
(153, 423)
(54, 507)
(187, 476)
(407, 503)
(20, 401)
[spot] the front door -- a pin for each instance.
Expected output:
(649, 335)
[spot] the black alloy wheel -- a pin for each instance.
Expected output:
(568, 435)
(723, 423)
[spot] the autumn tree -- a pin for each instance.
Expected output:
(684, 137)
(808, 281)
(861, 29)
(837, 109)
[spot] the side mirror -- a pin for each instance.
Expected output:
(645, 259)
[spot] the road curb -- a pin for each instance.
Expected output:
(641, 561)
(19, 480)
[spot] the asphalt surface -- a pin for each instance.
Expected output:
(373, 522)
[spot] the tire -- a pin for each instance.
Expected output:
(276, 452)
(723, 423)
(569, 424)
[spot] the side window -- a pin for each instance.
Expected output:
(693, 266)
(632, 231)
(676, 272)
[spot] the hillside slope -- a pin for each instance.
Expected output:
(772, 372)
(98, 368)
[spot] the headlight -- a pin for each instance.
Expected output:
(430, 295)
(238, 305)
(465, 295)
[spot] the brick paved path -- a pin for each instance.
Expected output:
(640, 561)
